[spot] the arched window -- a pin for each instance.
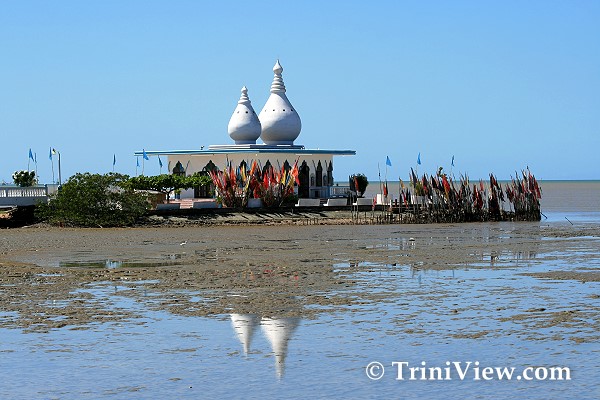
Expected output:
(266, 167)
(303, 188)
(319, 174)
(210, 166)
(179, 170)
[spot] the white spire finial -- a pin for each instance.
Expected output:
(244, 99)
(277, 86)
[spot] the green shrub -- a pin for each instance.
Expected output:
(166, 183)
(92, 200)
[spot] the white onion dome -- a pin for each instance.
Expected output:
(244, 126)
(279, 120)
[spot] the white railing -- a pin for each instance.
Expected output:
(24, 192)
(325, 192)
(339, 190)
(23, 196)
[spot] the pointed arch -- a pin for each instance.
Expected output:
(304, 178)
(319, 174)
(210, 167)
(267, 167)
(178, 169)
(330, 173)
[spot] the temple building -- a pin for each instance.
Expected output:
(278, 126)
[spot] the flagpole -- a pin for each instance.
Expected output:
(417, 166)
(380, 186)
(59, 174)
(52, 162)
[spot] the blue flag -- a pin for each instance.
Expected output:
(144, 154)
(419, 159)
(159, 162)
(114, 159)
(50, 154)
(31, 154)
(453, 161)
(137, 161)
(387, 161)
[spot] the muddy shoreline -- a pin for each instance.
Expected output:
(64, 278)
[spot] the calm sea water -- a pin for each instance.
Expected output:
(256, 357)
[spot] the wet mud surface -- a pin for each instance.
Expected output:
(467, 281)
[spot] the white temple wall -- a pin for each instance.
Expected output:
(196, 163)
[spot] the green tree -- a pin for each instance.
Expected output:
(166, 183)
(24, 178)
(362, 182)
(91, 200)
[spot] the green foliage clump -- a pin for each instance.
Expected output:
(24, 178)
(361, 181)
(92, 200)
(166, 183)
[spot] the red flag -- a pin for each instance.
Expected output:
(446, 186)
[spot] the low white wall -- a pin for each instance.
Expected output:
(23, 196)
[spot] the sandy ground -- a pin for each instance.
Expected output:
(64, 278)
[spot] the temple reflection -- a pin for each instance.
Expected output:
(278, 332)
(243, 325)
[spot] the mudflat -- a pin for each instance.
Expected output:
(62, 278)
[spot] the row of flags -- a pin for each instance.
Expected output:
(53, 152)
(33, 156)
(388, 162)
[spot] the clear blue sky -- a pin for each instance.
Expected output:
(500, 85)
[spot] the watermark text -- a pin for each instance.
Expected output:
(464, 370)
